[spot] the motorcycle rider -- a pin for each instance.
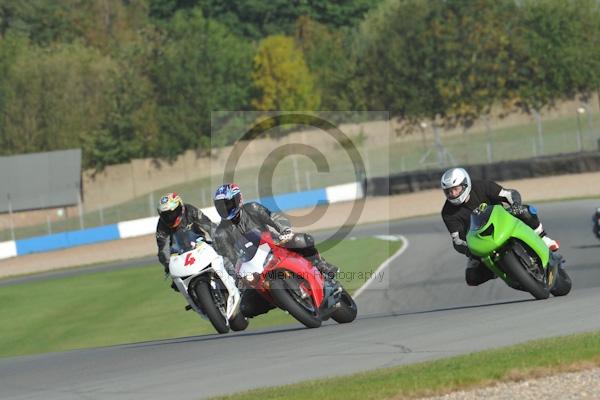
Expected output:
(239, 218)
(596, 223)
(175, 215)
(462, 197)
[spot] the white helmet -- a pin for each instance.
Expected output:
(456, 177)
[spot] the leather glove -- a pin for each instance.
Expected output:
(286, 235)
(516, 209)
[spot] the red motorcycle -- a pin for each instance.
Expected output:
(291, 282)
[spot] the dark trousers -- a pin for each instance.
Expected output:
(476, 275)
(254, 304)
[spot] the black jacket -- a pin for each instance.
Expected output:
(457, 218)
(193, 219)
(252, 215)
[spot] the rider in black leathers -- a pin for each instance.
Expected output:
(175, 215)
(462, 197)
(596, 223)
(238, 219)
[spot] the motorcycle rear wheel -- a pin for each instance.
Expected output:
(239, 322)
(562, 287)
(207, 304)
(286, 300)
(347, 309)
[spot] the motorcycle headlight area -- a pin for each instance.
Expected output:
(268, 259)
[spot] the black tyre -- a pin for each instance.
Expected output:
(206, 298)
(562, 287)
(347, 309)
(302, 309)
(239, 322)
(520, 273)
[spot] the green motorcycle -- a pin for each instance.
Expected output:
(515, 253)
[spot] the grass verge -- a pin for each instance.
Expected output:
(132, 305)
(532, 359)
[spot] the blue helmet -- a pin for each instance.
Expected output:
(228, 200)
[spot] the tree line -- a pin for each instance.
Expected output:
(125, 79)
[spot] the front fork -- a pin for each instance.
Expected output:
(551, 269)
(490, 262)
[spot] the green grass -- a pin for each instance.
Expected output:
(130, 305)
(535, 358)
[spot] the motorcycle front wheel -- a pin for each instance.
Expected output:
(347, 309)
(290, 301)
(517, 271)
(239, 322)
(206, 298)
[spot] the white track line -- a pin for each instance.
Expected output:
(383, 266)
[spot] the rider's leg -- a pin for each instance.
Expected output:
(477, 273)
(254, 304)
(596, 223)
(528, 214)
(304, 244)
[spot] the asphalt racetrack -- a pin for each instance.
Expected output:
(421, 310)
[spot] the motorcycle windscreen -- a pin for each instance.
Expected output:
(184, 240)
(255, 264)
(480, 216)
(247, 244)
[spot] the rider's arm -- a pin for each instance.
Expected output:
(498, 194)
(202, 224)
(223, 245)
(459, 244)
(275, 220)
(512, 196)
(162, 242)
(458, 240)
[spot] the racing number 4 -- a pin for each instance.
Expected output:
(189, 260)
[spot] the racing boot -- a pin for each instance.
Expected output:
(552, 244)
(328, 270)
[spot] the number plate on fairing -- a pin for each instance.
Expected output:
(193, 261)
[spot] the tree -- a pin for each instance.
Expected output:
(39, 20)
(10, 48)
(480, 50)
(562, 40)
(257, 18)
(63, 96)
(200, 67)
(130, 129)
(282, 77)
(453, 60)
(106, 24)
(330, 57)
(397, 59)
